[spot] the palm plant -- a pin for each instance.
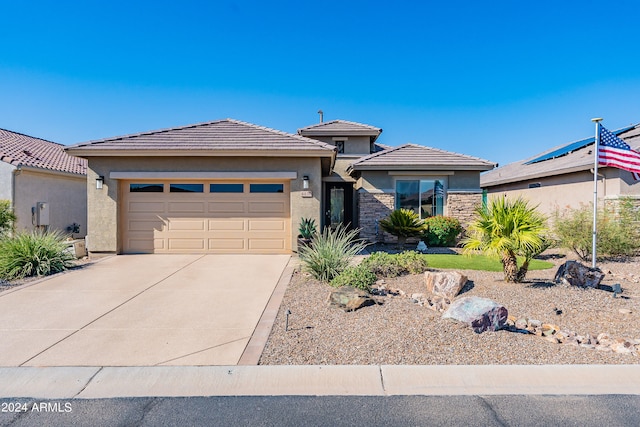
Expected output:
(403, 223)
(508, 229)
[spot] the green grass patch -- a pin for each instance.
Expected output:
(477, 262)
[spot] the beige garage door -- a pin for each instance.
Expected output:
(206, 217)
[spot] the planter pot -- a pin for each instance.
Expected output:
(302, 242)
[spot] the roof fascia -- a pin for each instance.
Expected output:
(80, 152)
(522, 178)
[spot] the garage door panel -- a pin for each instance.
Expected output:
(262, 207)
(227, 225)
(267, 225)
(144, 225)
(227, 207)
(186, 244)
(186, 207)
(266, 244)
(206, 222)
(186, 225)
(227, 244)
(147, 207)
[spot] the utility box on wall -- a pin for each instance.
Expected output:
(42, 213)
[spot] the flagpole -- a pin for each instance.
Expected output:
(595, 191)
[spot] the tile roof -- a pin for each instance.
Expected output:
(577, 160)
(226, 134)
(340, 128)
(418, 157)
(18, 149)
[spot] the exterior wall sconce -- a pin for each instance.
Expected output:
(305, 182)
(99, 182)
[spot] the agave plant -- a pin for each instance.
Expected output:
(307, 228)
(403, 223)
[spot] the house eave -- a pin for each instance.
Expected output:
(522, 178)
(267, 152)
(478, 168)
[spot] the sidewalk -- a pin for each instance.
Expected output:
(357, 380)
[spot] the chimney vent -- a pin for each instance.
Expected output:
(321, 115)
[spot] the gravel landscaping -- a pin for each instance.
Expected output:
(399, 331)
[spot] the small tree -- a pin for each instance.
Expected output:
(7, 217)
(403, 223)
(508, 229)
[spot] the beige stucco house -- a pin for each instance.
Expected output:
(45, 185)
(562, 177)
(228, 186)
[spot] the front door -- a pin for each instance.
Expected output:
(338, 204)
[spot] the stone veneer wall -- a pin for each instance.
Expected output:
(462, 206)
(614, 203)
(372, 208)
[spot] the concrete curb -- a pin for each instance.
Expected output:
(314, 380)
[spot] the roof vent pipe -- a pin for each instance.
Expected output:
(321, 115)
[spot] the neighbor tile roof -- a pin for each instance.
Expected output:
(340, 128)
(226, 134)
(575, 161)
(18, 149)
(418, 157)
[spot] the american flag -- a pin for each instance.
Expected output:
(615, 152)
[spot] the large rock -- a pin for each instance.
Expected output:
(448, 284)
(350, 299)
(482, 314)
(575, 274)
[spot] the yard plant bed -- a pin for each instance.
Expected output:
(401, 332)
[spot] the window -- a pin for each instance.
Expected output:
(425, 197)
(186, 188)
(226, 188)
(266, 188)
(146, 188)
(340, 146)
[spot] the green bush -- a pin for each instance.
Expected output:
(618, 232)
(359, 277)
(383, 264)
(307, 228)
(441, 231)
(33, 254)
(7, 217)
(403, 223)
(331, 252)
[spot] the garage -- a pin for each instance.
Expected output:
(205, 216)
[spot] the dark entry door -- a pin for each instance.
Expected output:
(338, 204)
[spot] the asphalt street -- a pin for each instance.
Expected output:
(610, 411)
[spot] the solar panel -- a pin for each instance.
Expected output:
(563, 151)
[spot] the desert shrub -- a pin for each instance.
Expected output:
(441, 230)
(403, 223)
(618, 232)
(307, 228)
(359, 277)
(331, 252)
(412, 262)
(33, 254)
(383, 264)
(7, 217)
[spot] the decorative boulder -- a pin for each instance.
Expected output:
(482, 314)
(447, 284)
(575, 274)
(350, 299)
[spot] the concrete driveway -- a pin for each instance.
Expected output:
(140, 310)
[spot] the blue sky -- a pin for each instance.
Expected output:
(501, 80)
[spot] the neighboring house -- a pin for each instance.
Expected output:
(233, 187)
(46, 186)
(562, 177)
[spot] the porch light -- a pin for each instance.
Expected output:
(99, 182)
(305, 182)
